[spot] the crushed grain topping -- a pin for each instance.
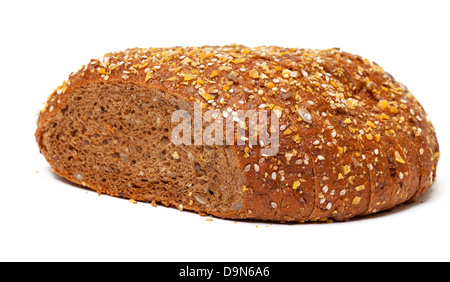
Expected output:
(399, 158)
(356, 200)
(360, 188)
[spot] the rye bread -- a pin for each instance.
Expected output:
(353, 140)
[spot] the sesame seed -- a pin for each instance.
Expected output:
(78, 176)
(305, 115)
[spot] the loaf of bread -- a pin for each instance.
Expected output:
(353, 141)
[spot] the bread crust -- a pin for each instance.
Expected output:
(367, 148)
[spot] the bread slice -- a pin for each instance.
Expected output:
(352, 140)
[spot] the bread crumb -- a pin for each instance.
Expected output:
(133, 201)
(153, 203)
(209, 219)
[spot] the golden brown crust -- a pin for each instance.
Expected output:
(367, 148)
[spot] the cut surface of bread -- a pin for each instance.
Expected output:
(116, 138)
(352, 140)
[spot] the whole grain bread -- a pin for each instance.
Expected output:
(353, 141)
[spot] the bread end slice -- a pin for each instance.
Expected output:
(115, 139)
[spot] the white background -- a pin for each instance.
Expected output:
(44, 218)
